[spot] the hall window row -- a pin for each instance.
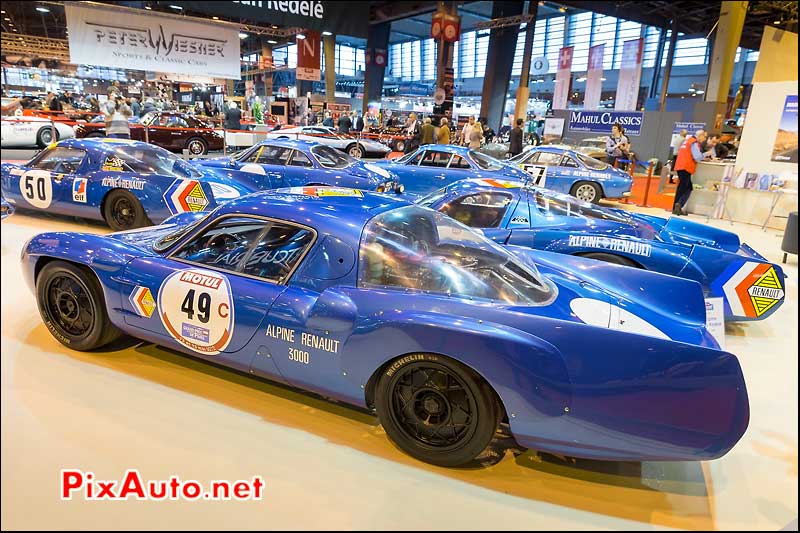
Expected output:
(409, 62)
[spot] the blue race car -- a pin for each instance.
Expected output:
(127, 184)
(432, 166)
(571, 172)
(292, 163)
(379, 303)
(509, 212)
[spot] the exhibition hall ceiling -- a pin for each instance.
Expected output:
(411, 19)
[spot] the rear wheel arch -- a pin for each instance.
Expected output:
(105, 199)
(611, 258)
(370, 388)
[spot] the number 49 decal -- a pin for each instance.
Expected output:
(196, 308)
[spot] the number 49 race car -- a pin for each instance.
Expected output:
(383, 304)
(509, 212)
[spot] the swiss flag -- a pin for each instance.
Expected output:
(565, 58)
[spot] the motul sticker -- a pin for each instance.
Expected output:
(185, 196)
(196, 309)
(142, 301)
(753, 289)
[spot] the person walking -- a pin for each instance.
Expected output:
(475, 136)
(427, 131)
(360, 123)
(413, 132)
(515, 139)
(345, 124)
(149, 106)
(689, 154)
(233, 117)
(328, 120)
(118, 127)
(617, 145)
(466, 131)
(136, 107)
(443, 136)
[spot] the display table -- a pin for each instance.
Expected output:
(764, 208)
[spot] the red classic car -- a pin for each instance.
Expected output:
(170, 130)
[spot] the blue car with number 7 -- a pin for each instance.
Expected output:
(512, 213)
(386, 305)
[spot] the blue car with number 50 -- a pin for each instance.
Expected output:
(126, 184)
(512, 213)
(383, 304)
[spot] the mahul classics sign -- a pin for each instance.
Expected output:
(101, 36)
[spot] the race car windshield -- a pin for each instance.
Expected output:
(169, 239)
(591, 163)
(485, 162)
(432, 198)
(154, 160)
(415, 248)
(330, 158)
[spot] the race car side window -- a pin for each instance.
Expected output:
(567, 161)
(255, 156)
(458, 162)
(434, 158)
(61, 159)
(257, 247)
(549, 159)
(479, 210)
(299, 159)
(275, 155)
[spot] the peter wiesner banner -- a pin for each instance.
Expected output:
(107, 37)
(601, 121)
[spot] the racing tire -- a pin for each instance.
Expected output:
(72, 306)
(588, 191)
(94, 135)
(611, 258)
(123, 211)
(400, 146)
(44, 137)
(355, 150)
(197, 146)
(420, 396)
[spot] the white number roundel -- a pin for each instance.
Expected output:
(196, 309)
(36, 187)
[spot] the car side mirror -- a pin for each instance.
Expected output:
(333, 311)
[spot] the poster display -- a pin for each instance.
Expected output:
(594, 77)
(601, 121)
(563, 78)
(151, 42)
(630, 74)
(785, 147)
(308, 56)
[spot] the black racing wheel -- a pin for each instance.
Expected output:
(436, 409)
(72, 306)
(123, 211)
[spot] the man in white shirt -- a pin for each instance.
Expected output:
(466, 131)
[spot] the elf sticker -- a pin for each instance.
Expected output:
(185, 196)
(753, 289)
(79, 190)
(142, 301)
(196, 309)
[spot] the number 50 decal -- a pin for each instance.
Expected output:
(36, 187)
(196, 309)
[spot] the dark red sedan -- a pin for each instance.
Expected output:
(171, 130)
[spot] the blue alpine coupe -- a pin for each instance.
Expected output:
(512, 213)
(292, 163)
(127, 184)
(571, 172)
(383, 304)
(432, 166)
